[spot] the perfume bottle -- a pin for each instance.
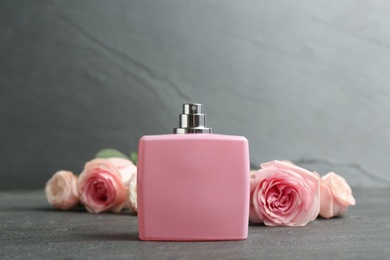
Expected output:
(193, 185)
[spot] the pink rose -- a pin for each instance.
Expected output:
(103, 184)
(61, 190)
(283, 194)
(336, 196)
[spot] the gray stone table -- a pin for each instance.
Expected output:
(31, 229)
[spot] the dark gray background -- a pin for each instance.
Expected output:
(302, 80)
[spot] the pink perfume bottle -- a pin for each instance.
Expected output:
(193, 185)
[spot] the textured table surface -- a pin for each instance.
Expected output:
(31, 229)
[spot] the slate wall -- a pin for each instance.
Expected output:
(302, 80)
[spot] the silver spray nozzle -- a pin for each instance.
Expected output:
(192, 121)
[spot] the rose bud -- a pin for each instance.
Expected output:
(61, 190)
(336, 196)
(283, 194)
(103, 184)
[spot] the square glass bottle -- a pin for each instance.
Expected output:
(193, 185)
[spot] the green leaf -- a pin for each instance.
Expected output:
(134, 157)
(108, 153)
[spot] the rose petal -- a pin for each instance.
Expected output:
(326, 209)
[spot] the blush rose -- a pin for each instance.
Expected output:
(103, 184)
(61, 190)
(283, 194)
(336, 196)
